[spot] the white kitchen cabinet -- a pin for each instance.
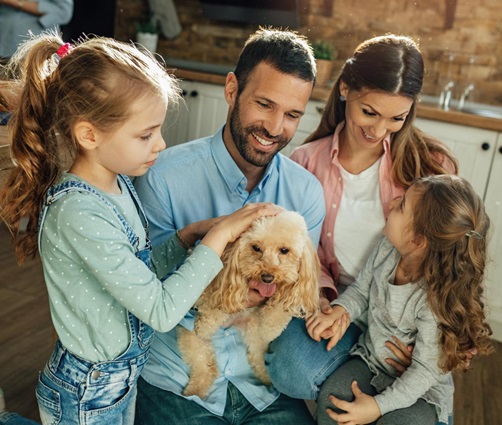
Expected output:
(493, 203)
(201, 113)
(474, 148)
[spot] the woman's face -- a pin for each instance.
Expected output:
(371, 116)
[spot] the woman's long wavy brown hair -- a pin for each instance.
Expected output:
(452, 218)
(95, 82)
(389, 64)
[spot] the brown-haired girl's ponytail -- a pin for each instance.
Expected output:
(33, 142)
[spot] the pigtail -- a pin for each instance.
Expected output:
(454, 265)
(33, 143)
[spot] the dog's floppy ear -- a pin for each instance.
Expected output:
(229, 289)
(309, 273)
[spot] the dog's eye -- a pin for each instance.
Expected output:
(256, 248)
(284, 250)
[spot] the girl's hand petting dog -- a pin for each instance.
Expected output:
(231, 226)
(330, 326)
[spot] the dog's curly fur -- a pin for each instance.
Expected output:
(274, 251)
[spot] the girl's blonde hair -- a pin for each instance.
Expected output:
(96, 81)
(452, 218)
(389, 64)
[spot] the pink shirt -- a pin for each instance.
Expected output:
(320, 157)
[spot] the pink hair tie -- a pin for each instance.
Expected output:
(64, 50)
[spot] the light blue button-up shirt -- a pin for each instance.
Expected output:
(200, 180)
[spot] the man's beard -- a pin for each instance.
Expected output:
(240, 137)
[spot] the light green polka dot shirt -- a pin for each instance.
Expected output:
(93, 276)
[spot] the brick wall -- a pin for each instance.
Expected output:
(469, 51)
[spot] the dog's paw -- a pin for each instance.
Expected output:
(197, 390)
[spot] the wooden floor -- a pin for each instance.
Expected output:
(26, 343)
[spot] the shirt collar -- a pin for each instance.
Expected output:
(230, 172)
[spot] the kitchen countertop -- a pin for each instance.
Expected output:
(423, 111)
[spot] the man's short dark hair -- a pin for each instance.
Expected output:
(286, 51)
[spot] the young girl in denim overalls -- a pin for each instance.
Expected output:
(97, 107)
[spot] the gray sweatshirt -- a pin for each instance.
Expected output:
(401, 311)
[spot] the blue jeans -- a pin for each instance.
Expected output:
(157, 406)
(8, 418)
(73, 391)
(298, 365)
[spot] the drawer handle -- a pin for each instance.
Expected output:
(485, 146)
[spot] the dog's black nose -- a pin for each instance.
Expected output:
(267, 278)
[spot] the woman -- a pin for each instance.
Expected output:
(365, 152)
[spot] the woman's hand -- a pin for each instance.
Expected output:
(363, 410)
(402, 353)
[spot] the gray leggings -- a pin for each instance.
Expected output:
(339, 384)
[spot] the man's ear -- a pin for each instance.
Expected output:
(85, 135)
(231, 89)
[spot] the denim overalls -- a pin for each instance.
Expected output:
(72, 390)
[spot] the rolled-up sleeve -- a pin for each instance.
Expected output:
(57, 12)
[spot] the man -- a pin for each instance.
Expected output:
(214, 176)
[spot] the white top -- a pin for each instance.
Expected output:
(359, 223)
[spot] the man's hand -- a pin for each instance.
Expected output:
(363, 410)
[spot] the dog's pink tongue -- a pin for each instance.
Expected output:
(265, 289)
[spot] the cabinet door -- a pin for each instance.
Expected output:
(201, 113)
(493, 204)
(474, 148)
(308, 124)
(208, 110)
(175, 128)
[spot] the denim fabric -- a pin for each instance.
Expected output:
(157, 406)
(72, 390)
(298, 365)
(8, 418)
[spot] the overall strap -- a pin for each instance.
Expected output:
(127, 182)
(59, 190)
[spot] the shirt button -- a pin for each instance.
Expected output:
(95, 374)
(333, 206)
(328, 234)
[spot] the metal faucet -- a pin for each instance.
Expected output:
(445, 96)
(464, 96)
